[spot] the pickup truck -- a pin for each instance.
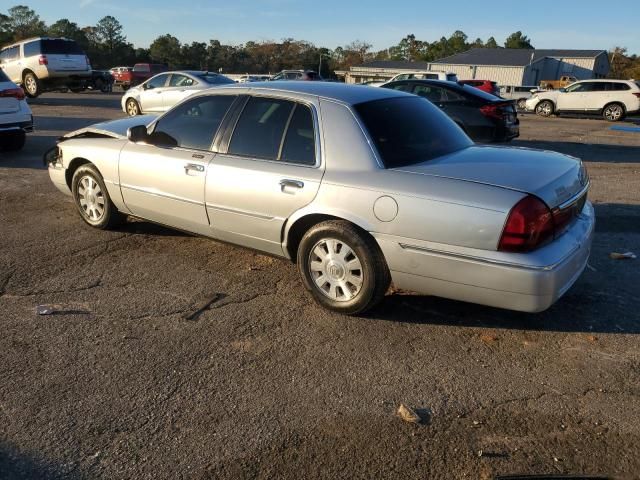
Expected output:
(126, 77)
(564, 81)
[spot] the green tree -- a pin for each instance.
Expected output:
(491, 43)
(166, 49)
(67, 29)
(108, 32)
(194, 55)
(517, 40)
(6, 34)
(24, 23)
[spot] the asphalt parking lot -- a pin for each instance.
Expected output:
(180, 357)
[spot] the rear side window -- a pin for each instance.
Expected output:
(60, 47)
(31, 48)
(260, 128)
(618, 87)
(192, 124)
(299, 142)
(215, 79)
(410, 130)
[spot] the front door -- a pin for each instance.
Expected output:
(270, 169)
(575, 97)
(164, 180)
(151, 95)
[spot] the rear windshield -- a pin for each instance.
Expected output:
(410, 130)
(215, 79)
(60, 47)
(143, 67)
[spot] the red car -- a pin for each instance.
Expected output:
(130, 77)
(484, 85)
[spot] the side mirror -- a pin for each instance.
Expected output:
(138, 134)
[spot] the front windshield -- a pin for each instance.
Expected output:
(409, 130)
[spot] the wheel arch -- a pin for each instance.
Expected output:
(297, 225)
(73, 166)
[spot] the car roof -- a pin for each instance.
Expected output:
(603, 80)
(346, 93)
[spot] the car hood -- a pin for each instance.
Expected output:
(551, 176)
(113, 128)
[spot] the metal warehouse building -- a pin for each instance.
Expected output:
(506, 66)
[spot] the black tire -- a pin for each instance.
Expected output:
(14, 141)
(31, 84)
(85, 176)
(545, 108)
(373, 275)
(132, 107)
(614, 112)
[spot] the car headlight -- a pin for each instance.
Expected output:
(53, 156)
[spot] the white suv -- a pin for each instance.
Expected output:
(15, 115)
(613, 99)
(419, 75)
(42, 63)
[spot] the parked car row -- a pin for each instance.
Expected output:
(358, 186)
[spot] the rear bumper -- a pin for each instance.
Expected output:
(524, 282)
(25, 126)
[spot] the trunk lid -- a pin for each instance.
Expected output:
(553, 177)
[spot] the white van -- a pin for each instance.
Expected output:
(40, 64)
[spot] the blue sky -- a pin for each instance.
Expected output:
(588, 24)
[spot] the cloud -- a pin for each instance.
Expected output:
(86, 3)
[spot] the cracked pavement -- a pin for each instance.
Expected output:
(201, 360)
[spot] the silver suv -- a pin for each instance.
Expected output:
(40, 64)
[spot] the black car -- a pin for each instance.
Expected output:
(484, 117)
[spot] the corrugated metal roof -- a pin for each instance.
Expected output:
(516, 57)
(395, 65)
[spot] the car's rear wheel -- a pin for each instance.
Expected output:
(32, 85)
(13, 141)
(92, 198)
(613, 112)
(342, 267)
(132, 107)
(544, 108)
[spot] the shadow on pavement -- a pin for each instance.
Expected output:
(15, 465)
(106, 100)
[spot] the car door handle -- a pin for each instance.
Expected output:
(193, 167)
(290, 186)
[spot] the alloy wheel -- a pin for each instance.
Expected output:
(613, 113)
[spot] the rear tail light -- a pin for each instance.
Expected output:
(42, 60)
(492, 111)
(529, 224)
(17, 93)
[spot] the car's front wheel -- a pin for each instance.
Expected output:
(92, 198)
(544, 108)
(132, 107)
(522, 104)
(343, 267)
(613, 112)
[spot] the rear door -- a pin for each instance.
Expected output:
(268, 169)
(152, 91)
(179, 87)
(164, 180)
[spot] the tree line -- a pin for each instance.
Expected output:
(106, 45)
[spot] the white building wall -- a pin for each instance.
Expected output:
(501, 75)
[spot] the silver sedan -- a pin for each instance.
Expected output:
(359, 186)
(163, 91)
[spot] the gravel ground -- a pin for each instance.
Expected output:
(179, 357)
